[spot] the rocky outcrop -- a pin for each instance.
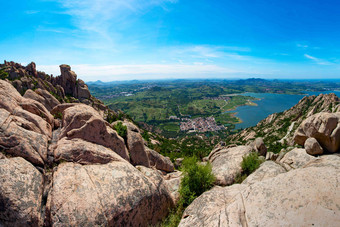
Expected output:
(83, 152)
(84, 122)
(64, 88)
(260, 147)
(43, 97)
(159, 161)
(296, 198)
(267, 170)
(69, 167)
(324, 127)
(135, 144)
(21, 190)
(226, 163)
(72, 86)
(114, 194)
(296, 158)
(280, 127)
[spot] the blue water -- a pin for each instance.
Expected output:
(269, 104)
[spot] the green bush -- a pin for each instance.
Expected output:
(197, 179)
(121, 129)
(250, 163)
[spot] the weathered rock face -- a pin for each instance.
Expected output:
(68, 79)
(84, 169)
(114, 194)
(296, 158)
(267, 170)
(159, 161)
(25, 125)
(324, 127)
(226, 163)
(283, 125)
(135, 144)
(43, 97)
(260, 147)
(83, 152)
(313, 147)
(20, 193)
(296, 198)
(83, 122)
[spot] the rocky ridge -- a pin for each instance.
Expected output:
(278, 129)
(50, 90)
(297, 187)
(63, 164)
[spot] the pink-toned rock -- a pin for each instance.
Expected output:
(324, 127)
(16, 140)
(113, 194)
(29, 109)
(43, 97)
(159, 161)
(68, 79)
(84, 122)
(83, 152)
(21, 190)
(226, 163)
(135, 144)
(59, 109)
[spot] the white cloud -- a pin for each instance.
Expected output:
(318, 61)
(141, 71)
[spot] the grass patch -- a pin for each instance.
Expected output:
(197, 179)
(121, 129)
(249, 164)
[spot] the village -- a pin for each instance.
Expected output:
(200, 124)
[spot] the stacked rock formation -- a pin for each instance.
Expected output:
(64, 88)
(64, 165)
(292, 188)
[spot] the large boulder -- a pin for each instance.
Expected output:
(68, 79)
(135, 144)
(18, 138)
(159, 161)
(267, 169)
(260, 147)
(226, 163)
(21, 191)
(42, 96)
(83, 152)
(313, 147)
(113, 194)
(302, 197)
(324, 127)
(27, 109)
(296, 158)
(84, 122)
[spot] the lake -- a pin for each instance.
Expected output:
(269, 104)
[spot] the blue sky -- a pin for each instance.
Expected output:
(138, 39)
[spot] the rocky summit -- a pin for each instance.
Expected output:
(68, 160)
(63, 164)
(299, 186)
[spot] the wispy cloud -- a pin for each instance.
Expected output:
(318, 61)
(143, 71)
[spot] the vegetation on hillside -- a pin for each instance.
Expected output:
(249, 164)
(197, 179)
